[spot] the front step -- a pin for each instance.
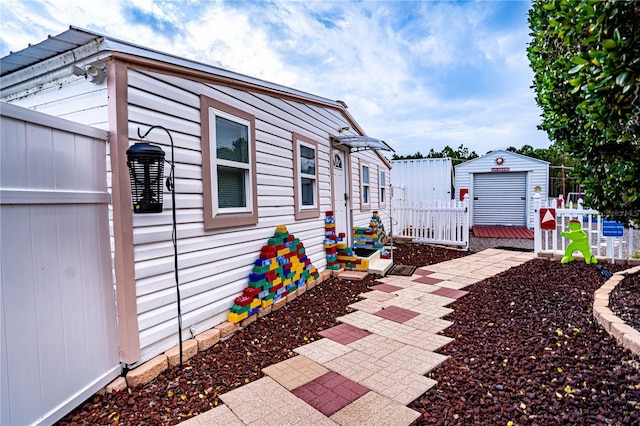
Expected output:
(380, 266)
(377, 265)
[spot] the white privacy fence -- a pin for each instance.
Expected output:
(435, 222)
(606, 239)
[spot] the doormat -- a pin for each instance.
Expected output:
(404, 270)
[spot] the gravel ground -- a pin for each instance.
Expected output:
(527, 350)
(479, 244)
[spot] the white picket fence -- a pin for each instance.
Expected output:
(551, 242)
(435, 222)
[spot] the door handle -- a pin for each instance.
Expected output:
(475, 198)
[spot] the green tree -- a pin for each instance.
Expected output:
(586, 61)
(460, 155)
(415, 156)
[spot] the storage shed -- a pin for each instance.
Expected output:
(501, 185)
(422, 180)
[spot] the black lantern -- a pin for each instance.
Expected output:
(146, 165)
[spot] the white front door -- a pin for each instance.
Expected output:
(341, 193)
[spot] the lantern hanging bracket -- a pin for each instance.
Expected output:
(170, 182)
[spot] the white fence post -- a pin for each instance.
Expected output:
(465, 225)
(537, 232)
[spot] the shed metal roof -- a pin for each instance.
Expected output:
(75, 37)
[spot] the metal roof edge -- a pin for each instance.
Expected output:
(114, 44)
(503, 151)
(75, 36)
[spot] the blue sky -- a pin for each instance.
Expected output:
(418, 74)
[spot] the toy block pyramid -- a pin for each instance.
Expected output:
(282, 268)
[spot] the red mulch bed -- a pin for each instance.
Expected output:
(526, 350)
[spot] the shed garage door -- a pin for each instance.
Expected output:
(500, 199)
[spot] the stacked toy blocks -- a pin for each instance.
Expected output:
(348, 259)
(376, 223)
(339, 256)
(372, 237)
(281, 270)
(332, 242)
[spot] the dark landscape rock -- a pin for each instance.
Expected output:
(526, 350)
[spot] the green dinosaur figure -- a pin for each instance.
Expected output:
(579, 242)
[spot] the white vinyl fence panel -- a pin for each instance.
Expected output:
(434, 222)
(58, 325)
(552, 242)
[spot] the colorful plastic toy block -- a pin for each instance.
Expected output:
(281, 269)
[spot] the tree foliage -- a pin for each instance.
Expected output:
(554, 154)
(586, 61)
(457, 156)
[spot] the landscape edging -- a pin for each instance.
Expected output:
(626, 335)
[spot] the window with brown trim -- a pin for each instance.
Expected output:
(228, 164)
(305, 182)
(382, 184)
(365, 186)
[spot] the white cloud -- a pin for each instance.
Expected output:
(419, 74)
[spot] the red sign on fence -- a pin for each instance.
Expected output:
(547, 219)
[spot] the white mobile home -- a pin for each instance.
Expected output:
(501, 185)
(303, 155)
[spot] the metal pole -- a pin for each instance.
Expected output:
(174, 235)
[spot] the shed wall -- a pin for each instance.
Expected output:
(423, 180)
(537, 176)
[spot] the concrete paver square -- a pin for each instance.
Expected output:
(377, 346)
(445, 276)
(377, 295)
(428, 323)
(355, 365)
(434, 299)
(449, 292)
(295, 372)
(323, 350)
(428, 279)
(401, 386)
(254, 402)
(430, 309)
(387, 288)
(330, 392)
(344, 333)
(415, 292)
(360, 319)
(453, 285)
(397, 314)
(373, 409)
(218, 416)
(422, 271)
(367, 305)
(424, 340)
(390, 329)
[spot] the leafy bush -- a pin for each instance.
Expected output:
(586, 61)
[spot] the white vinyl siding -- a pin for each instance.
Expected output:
(213, 264)
(537, 175)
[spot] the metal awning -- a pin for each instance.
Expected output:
(361, 143)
